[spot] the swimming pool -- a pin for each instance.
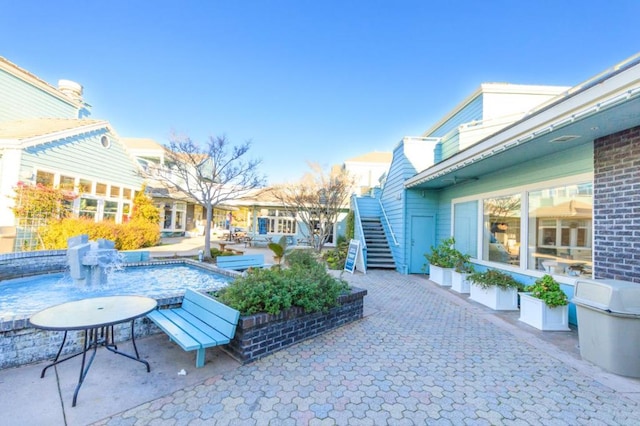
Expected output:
(25, 296)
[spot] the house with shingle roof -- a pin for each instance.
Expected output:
(47, 138)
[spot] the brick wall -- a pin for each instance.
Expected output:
(262, 334)
(616, 206)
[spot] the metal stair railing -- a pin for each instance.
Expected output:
(386, 219)
(358, 224)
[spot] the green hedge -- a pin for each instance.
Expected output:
(304, 283)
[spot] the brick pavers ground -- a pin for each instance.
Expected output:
(420, 356)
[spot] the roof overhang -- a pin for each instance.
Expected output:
(606, 104)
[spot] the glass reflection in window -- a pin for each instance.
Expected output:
(560, 230)
(501, 240)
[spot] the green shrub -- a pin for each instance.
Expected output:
(444, 254)
(301, 257)
(548, 290)
(494, 277)
(336, 257)
(303, 284)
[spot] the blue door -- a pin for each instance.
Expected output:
(422, 235)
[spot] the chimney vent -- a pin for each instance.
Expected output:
(71, 89)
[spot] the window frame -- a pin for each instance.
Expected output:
(523, 191)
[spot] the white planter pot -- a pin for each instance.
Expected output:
(495, 298)
(537, 314)
(440, 276)
(459, 282)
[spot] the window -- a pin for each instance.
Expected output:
(110, 210)
(44, 178)
(88, 207)
(85, 186)
(281, 222)
(101, 188)
(502, 229)
(560, 236)
(115, 191)
(67, 183)
(126, 194)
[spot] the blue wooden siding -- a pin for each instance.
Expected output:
(22, 100)
(472, 111)
(83, 156)
(450, 145)
(400, 205)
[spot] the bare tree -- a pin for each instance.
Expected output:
(211, 174)
(318, 198)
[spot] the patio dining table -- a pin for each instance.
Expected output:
(96, 317)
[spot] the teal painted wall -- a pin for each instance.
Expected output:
(21, 100)
(538, 170)
(83, 156)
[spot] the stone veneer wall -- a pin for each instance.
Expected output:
(616, 206)
(262, 334)
(22, 264)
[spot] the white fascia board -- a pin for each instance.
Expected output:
(577, 105)
(54, 136)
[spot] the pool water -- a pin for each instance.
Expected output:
(25, 296)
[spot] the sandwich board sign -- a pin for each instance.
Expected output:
(352, 255)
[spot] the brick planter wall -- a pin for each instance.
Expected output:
(616, 202)
(262, 334)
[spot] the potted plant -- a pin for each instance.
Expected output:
(459, 276)
(545, 306)
(441, 260)
(495, 289)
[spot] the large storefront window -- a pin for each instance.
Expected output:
(560, 236)
(501, 238)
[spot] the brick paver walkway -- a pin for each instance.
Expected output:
(419, 357)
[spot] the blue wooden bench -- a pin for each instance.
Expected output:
(201, 322)
(240, 263)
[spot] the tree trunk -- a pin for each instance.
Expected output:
(207, 232)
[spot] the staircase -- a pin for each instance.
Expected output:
(378, 252)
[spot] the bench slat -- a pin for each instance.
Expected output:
(241, 262)
(195, 329)
(178, 335)
(199, 323)
(203, 332)
(223, 311)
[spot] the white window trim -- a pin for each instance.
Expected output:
(523, 190)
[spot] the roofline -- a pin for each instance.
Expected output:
(495, 88)
(25, 75)
(48, 137)
(543, 119)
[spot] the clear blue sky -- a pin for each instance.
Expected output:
(306, 80)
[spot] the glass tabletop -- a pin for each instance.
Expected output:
(93, 312)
